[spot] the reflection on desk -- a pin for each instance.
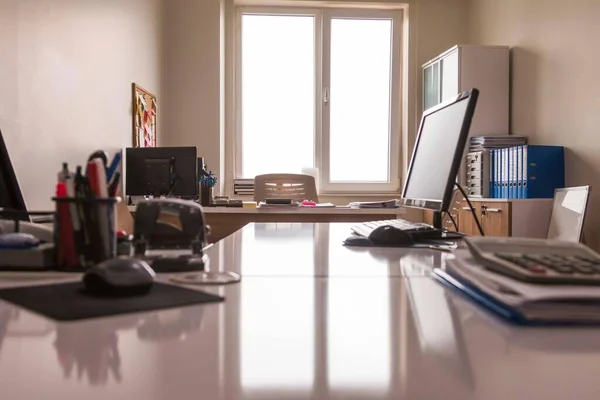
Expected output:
(346, 325)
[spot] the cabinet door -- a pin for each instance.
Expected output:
(466, 222)
(496, 219)
(431, 85)
(449, 76)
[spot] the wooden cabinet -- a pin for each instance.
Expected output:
(499, 217)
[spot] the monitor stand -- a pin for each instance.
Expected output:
(444, 234)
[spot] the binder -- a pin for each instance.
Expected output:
(511, 168)
(492, 174)
(504, 173)
(519, 172)
(544, 171)
(513, 179)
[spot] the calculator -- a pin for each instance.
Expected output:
(538, 261)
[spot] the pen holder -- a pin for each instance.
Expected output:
(84, 231)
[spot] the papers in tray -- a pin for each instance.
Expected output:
(522, 302)
(374, 204)
(262, 204)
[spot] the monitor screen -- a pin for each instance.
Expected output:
(161, 171)
(438, 153)
(10, 192)
(568, 213)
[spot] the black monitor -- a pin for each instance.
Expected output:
(161, 171)
(10, 193)
(438, 153)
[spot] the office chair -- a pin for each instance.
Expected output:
(297, 187)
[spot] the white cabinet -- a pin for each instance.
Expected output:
(464, 67)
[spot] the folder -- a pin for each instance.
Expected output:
(519, 172)
(511, 168)
(514, 168)
(492, 174)
(504, 173)
(543, 170)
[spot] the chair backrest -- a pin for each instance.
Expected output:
(568, 214)
(297, 187)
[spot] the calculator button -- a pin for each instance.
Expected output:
(585, 270)
(537, 269)
(564, 270)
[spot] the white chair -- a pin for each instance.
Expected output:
(297, 187)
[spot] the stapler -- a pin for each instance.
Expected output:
(163, 225)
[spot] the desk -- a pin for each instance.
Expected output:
(224, 221)
(311, 319)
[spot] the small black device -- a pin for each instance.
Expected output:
(10, 192)
(161, 171)
(119, 277)
(539, 261)
(278, 201)
(437, 155)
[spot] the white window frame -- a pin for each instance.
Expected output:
(323, 18)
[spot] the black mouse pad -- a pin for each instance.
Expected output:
(69, 302)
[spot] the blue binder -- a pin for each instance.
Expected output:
(492, 174)
(519, 172)
(511, 172)
(514, 174)
(505, 173)
(544, 171)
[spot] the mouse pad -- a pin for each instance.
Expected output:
(69, 302)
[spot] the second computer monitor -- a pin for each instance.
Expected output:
(438, 153)
(161, 171)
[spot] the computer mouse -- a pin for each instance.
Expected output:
(388, 235)
(119, 277)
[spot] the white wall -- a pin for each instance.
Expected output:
(191, 74)
(191, 77)
(66, 68)
(555, 88)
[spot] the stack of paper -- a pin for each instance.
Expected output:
(374, 204)
(522, 302)
(293, 204)
(479, 143)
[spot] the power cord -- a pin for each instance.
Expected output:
(471, 207)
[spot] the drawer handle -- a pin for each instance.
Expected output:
(466, 208)
(494, 210)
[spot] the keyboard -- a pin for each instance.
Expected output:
(537, 260)
(418, 230)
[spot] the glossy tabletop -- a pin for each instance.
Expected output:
(322, 332)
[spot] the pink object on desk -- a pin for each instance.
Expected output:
(308, 203)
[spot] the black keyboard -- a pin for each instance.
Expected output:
(417, 230)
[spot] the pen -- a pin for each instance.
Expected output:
(97, 180)
(114, 166)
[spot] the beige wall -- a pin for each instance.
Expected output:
(191, 74)
(191, 77)
(66, 68)
(555, 86)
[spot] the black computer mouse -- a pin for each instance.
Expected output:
(388, 235)
(119, 277)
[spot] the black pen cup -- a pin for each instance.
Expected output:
(84, 231)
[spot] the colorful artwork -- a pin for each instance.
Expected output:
(144, 117)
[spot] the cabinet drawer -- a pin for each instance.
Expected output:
(494, 217)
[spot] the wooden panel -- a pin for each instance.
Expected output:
(496, 219)
(466, 222)
(223, 225)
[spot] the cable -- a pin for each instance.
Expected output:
(453, 220)
(471, 207)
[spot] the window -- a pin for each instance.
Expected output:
(319, 89)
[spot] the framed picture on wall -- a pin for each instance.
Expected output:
(145, 110)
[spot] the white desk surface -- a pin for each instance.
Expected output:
(298, 210)
(310, 320)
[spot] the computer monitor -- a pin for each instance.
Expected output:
(568, 214)
(161, 171)
(438, 153)
(10, 193)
